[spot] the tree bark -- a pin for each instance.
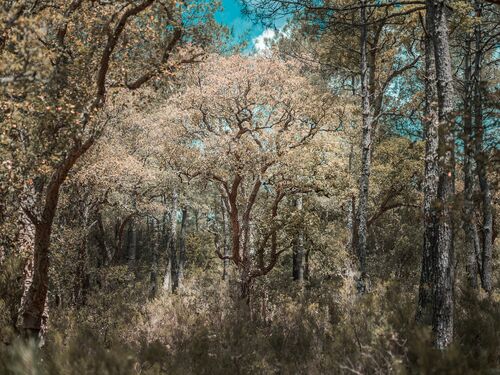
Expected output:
(431, 176)
(366, 148)
(444, 277)
(171, 266)
(34, 302)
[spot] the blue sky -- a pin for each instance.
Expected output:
(243, 29)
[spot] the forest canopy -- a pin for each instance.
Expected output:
(320, 198)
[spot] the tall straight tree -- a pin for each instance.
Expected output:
(441, 268)
(366, 149)
(431, 176)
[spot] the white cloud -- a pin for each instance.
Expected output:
(260, 42)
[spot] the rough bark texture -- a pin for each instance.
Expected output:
(26, 245)
(444, 278)
(431, 175)
(366, 148)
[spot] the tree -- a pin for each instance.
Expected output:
(241, 124)
(56, 89)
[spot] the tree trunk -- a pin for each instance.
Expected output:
(132, 243)
(482, 162)
(156, 239)
(26, 244)
(225, 242)
(366, 148)
(34, 302)
(431, 176)
(298, 247)
(182, 251)
(171, 268)
(469, 226)
(444, 278)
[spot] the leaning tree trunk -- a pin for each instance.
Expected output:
(26, 245)
(366, 148)
(34, 301)
(482, 162)
(444, 277)
(431, 176)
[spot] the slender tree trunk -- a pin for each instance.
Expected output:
(225, 242)
(351, 209)
(444, 277)
(469, 226)
(298, 248)
(171, 269)
(156, 238)
(482, 162)
(182, 251)
(132, 242)
(431, 176)
(366, 148)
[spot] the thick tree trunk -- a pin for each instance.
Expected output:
(34, 302)
(482, 162)
(298, 248)
(26, 245)
(431, 176)
(366, 148)
(444, 277)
